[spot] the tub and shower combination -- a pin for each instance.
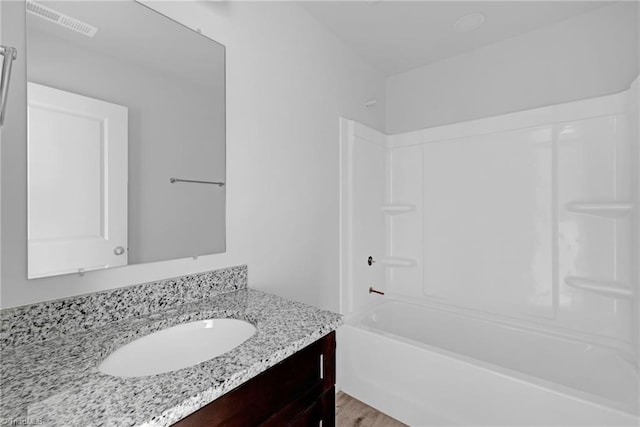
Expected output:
(428, 366)
(507, 252)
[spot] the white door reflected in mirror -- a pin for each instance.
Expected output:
(77, 188)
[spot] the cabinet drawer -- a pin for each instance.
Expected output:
(322, 410)
(279, 394)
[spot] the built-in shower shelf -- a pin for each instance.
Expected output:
(398, 262)
(397, 209)
(603, 287)
(604, 209)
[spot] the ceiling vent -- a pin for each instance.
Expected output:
(469, 22)
(61, 19)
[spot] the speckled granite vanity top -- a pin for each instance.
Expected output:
(49, 373)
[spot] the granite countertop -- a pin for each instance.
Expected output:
(55, 382)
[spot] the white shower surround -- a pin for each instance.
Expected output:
(553, 163)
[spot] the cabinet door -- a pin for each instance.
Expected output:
(77, 171)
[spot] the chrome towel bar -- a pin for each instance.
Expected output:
(174, 180)
(10, 54)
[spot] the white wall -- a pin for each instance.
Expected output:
(288, 81)
(586, 56)
(633, 108)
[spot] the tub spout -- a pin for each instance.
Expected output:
(373, 291)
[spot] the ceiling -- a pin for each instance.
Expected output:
(396, 36)
(133, 33)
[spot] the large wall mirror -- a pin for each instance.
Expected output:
(126, 137)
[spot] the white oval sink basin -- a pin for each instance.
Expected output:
(177, 347)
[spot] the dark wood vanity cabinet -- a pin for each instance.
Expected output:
(299, 391)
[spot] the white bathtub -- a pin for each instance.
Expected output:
(434, 367)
